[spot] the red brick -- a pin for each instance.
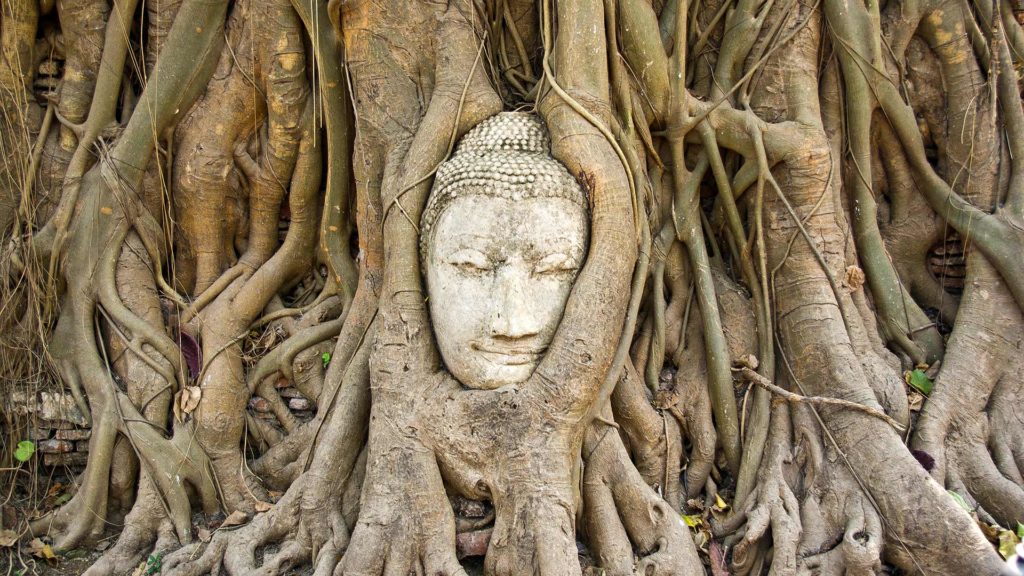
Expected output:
(55, 446)
(73, 459)
(78, 434)
(473, 543)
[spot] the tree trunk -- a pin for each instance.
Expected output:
(217, 227)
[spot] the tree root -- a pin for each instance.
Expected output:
(622, 513)
(972, 433)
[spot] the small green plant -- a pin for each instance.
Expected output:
(24, 450)
(154, 564)
(326, 357)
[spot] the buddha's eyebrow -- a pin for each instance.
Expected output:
(555, 245)
(470, 238)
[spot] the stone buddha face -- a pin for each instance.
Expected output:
(504, 236)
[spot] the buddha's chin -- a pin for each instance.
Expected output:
(489, 375)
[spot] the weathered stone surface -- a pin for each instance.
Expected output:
(504, 234)
(56, 424)
(59, 406)
(75, 434)
(290, 393)
(55, 446)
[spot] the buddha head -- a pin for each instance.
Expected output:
(503, 236)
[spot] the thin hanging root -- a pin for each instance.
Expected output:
(334, 225)
(765, 383)
(687, 225)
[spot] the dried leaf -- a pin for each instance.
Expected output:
(719, 567)
(192, 352)
(237, 518)
(1008, 541)
(190, 396)
(8, 538)
(915, 400)
(854, 278)
(41, 550)
(263, 506)
(719, 506)
(693, 520)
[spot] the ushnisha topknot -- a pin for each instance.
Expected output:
(506, 156)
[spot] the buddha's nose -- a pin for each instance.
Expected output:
(512, 316)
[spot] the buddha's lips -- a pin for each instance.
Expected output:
(511, 356)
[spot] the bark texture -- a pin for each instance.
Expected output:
(205, 203)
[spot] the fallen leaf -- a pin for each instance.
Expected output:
(263, 506)
(190, 396)
(915, 400)
(8, 538)
(41, 550)
(1008, 541)
(959, 500)
(692, 520)
(854, 278)
(719, 507)
(719, 567)
(919, 380)
(192, 353)
(237, 518)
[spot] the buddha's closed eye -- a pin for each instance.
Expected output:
(556, 263)
(470, 260)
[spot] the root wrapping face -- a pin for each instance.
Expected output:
(315, 271)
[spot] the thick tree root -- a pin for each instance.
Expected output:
(972, 433)
(622, 514)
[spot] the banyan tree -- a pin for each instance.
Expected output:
(607, 286)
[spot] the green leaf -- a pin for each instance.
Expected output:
(24, 451)
(326, 357)
(1020, 530)
(1007, 543)
(919, 380)
(960, 500)
(154, 563)
(692, 520)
